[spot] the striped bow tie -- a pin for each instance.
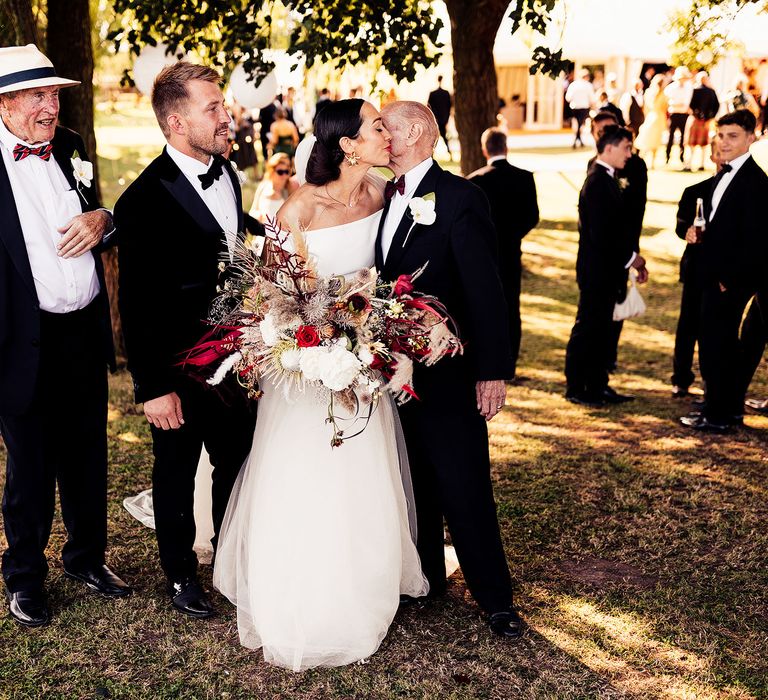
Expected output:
(20, 152)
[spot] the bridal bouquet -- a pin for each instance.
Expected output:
(350, 339)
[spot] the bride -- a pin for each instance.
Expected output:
(315, 548)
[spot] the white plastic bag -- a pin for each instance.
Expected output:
(633, 305)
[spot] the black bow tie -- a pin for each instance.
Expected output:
(393, 186)
(724, 168)
(214, 172)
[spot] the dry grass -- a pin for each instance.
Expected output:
(639, 550)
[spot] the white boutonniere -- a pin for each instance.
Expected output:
(241, 178)
(422, 211)
(623, 183)
(82, 170)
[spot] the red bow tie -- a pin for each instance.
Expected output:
(20, 152)
(394, 186)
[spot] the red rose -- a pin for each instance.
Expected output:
(403, 285)
(307, 337)
(357, 303)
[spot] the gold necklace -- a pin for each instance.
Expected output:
(338, 201)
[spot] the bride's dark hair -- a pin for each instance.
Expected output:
(337, 120)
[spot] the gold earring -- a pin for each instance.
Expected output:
(352, 158)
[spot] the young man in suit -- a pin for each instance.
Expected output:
(687, 333)
(735, 257)
(440, 103)
(606, 252)
(511, 193)
(55, 340)
(445, 431)
(634, 195)
(175, 221)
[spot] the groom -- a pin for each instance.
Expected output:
(172, 221)
(445, 430)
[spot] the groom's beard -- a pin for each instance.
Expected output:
(209, 144)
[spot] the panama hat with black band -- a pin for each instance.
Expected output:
(26, 67)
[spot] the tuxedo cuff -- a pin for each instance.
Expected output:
(631, 260)
(111, 226)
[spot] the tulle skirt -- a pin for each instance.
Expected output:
(316, 548)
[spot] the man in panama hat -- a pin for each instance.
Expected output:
(55, 339)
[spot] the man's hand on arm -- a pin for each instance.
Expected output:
(642, 271)
(491, 396)
(164, 412)
(83, 232)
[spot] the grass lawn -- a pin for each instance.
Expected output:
(638, 549)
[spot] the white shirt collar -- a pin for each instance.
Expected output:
(493, 159)
(191, 167)
(9, 140)
(611, 171)
(736, 163)
(415, 175)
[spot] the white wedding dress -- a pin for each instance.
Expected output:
(315, 548)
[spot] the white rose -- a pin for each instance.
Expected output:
(311, 362)
(339, 369)
(269, 332)
(423, 210)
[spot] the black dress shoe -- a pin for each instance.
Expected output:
(679, 392)
(582, 398)
(102, 580)
(507, 624)
(188, 597)
(612, 396)
(703, 424)
(29, 608)
(759, 405)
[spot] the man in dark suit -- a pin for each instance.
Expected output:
(440, 103)
(753, 339)
(55, 340)
(735, 257)
(171, 223)
(511, 193)
(606, 252)
(445, 431)
(687, 333)
(634, 178)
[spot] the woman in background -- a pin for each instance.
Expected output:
(274, 189)
(651, 132)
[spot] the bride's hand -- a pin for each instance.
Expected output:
(164, 412)
(491, 396)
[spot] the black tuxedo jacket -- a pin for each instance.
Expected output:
(635, 195)
(170, 249)
(605, 241)
(690, 263)
(735, 246)
(460, 251)
(19, 305)
(511, 193)
(439, 101)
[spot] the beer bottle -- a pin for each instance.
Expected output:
(699, 222)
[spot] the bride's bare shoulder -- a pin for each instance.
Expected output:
(299, 208)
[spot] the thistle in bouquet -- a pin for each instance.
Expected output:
(347, 339)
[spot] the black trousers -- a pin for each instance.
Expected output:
(720, 352)
(687, 334)
(226, 430)
(61, 438)
(512, 290)
(447, 443)
(754, 337)
(592, 338)
(677, 123)
(581, 117)
(441, 127)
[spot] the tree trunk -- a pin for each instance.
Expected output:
(71, 51)
(476, 100)
(17, 23)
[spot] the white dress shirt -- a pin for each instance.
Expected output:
(580, 94)
(612, 173)
(219, 197)
(725, 180)
(45, 201)
(679, 97)
(493, 159)
(399, 203)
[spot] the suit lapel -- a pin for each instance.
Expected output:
(10, 231)
(732, 186)
(182, 191)
(379, 252)
(407, 228)
(238, 195)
